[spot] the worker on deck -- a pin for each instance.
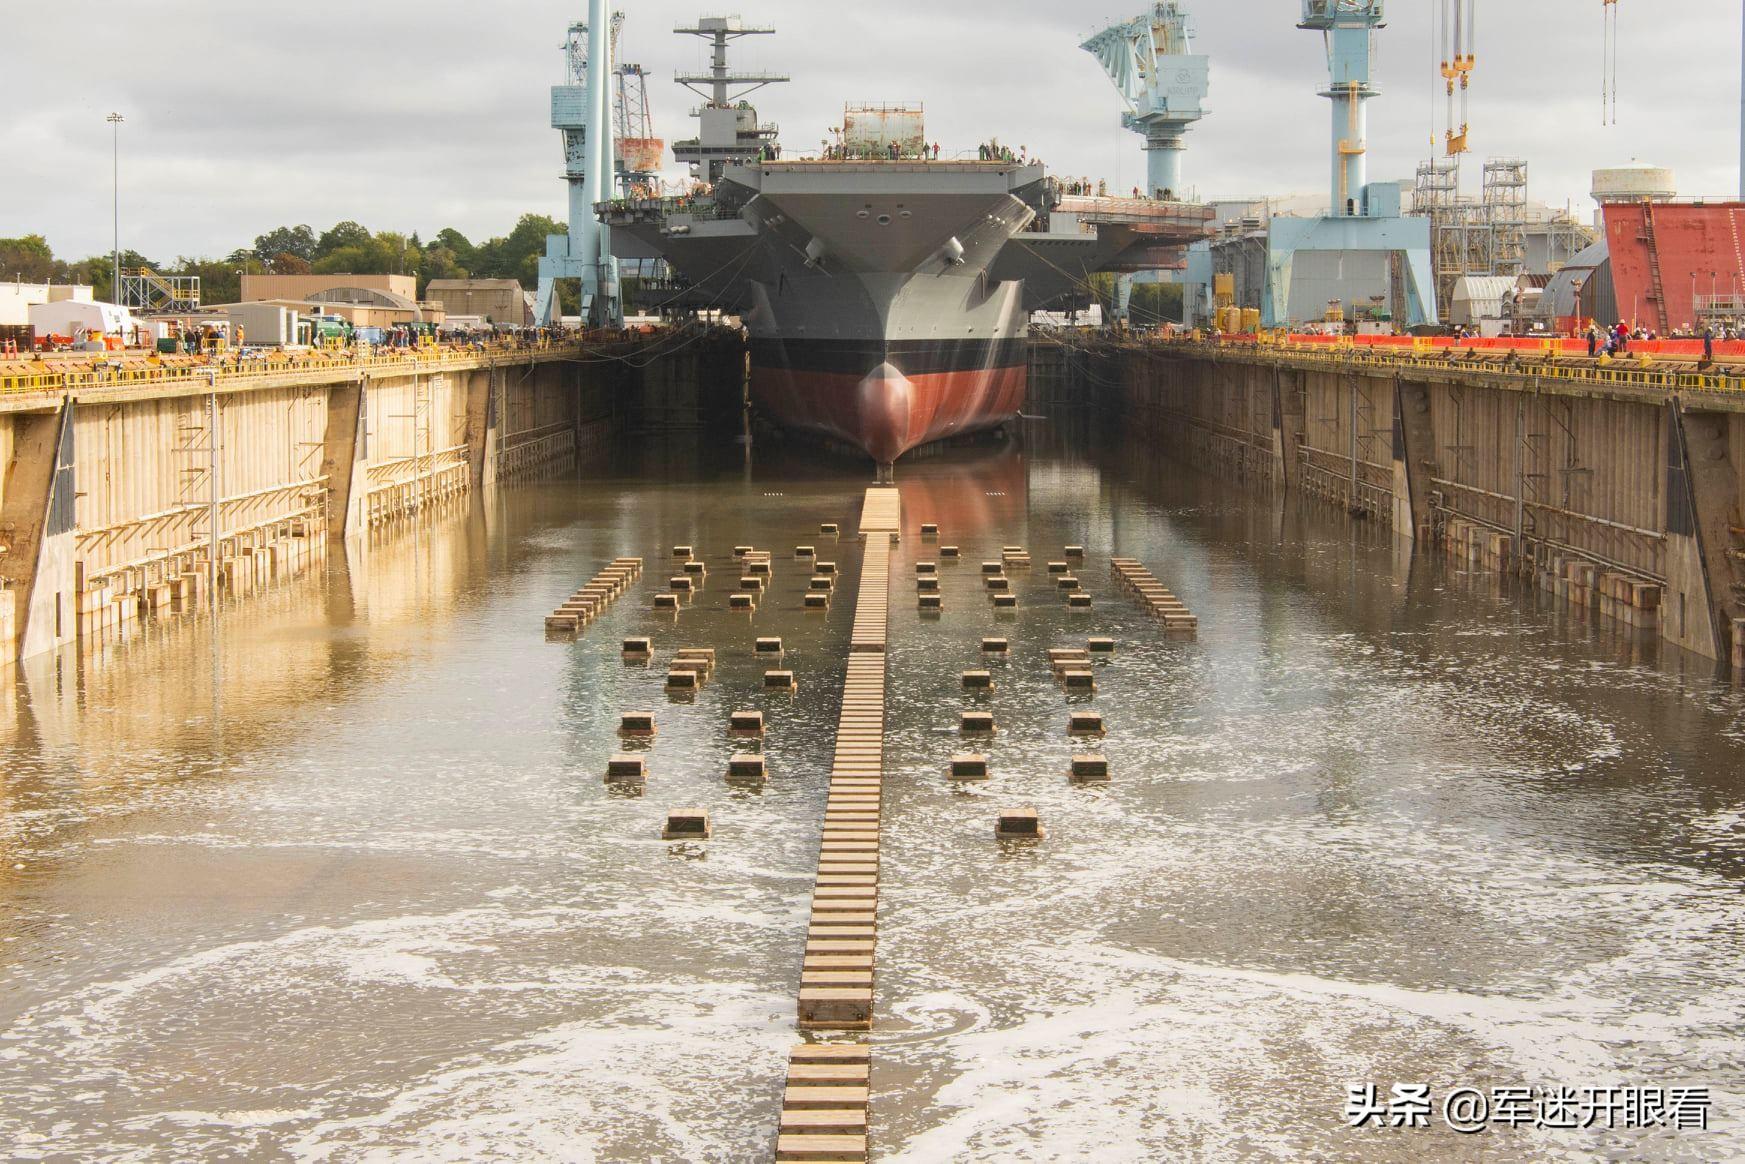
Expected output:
(1709, 344)
(1593, 340)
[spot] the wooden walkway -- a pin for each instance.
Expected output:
(824, 1106)
(883, 511)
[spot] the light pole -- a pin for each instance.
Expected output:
(115, 120)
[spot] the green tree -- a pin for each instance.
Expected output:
(98, 271)
(286, 264)
(456, 243)
(342, 235)
(220, 279)
(299, 241)
(28, 258)
(440, 263)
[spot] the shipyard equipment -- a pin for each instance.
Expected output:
(728, 131)
(886, 294)
(1348, 28)
(1363, 253)
(581, 110)
(1456, 25)
(1152, 62)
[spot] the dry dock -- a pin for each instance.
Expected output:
(131, 490)
(1618, 486)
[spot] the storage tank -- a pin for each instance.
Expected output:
(1636, 182)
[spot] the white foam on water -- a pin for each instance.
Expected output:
(649, 1084)
(1172, 1059)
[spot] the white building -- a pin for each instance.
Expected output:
(16, 299)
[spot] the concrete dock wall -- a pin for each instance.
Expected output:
(1623, 495)
(107, 490)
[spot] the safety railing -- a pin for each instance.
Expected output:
(61, 376)
(1543, 359)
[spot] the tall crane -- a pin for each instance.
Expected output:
(1609, 65)
(1458, 23)
(1152, 62)
(582, 110)
(1348, 27)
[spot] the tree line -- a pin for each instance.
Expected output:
(346, 247)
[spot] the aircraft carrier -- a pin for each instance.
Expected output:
(886, 290)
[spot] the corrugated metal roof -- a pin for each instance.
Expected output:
(1483, 288)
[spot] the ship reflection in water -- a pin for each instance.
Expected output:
(367, 895)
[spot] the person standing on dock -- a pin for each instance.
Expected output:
(1593, 340)
(1709, 344)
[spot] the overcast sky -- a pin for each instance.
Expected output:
(420, 114)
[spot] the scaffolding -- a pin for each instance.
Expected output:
(1457, 235)
(1505, 214)
(1487, 235)
(149, 293)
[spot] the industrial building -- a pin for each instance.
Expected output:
(492, 301)
(364, 300)
(16, 299)
(1362, 260)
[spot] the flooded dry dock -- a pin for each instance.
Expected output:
(345, 881)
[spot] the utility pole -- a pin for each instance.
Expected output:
(115, 120)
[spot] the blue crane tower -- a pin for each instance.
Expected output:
(1152, 62)
(581, 110)
(1363, 264)
(1348, 27)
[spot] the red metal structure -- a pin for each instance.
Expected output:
(1671, 258)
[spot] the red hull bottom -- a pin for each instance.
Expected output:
(887, 413)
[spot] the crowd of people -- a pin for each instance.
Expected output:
(1084, 188)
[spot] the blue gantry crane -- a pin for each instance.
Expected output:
(1152, 62)
(581, 109)
(1348, 27)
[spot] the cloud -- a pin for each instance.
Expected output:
(420, 114)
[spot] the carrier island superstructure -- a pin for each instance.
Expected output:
(886, 289)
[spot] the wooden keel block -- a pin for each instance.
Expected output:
(798, 1149)
(746, 768)
(969, 766)
(835, 1008)
(1090, 769)
(626, 769)
(1085, 723)
(686, 824)
(636, 724)
(1018, 824)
